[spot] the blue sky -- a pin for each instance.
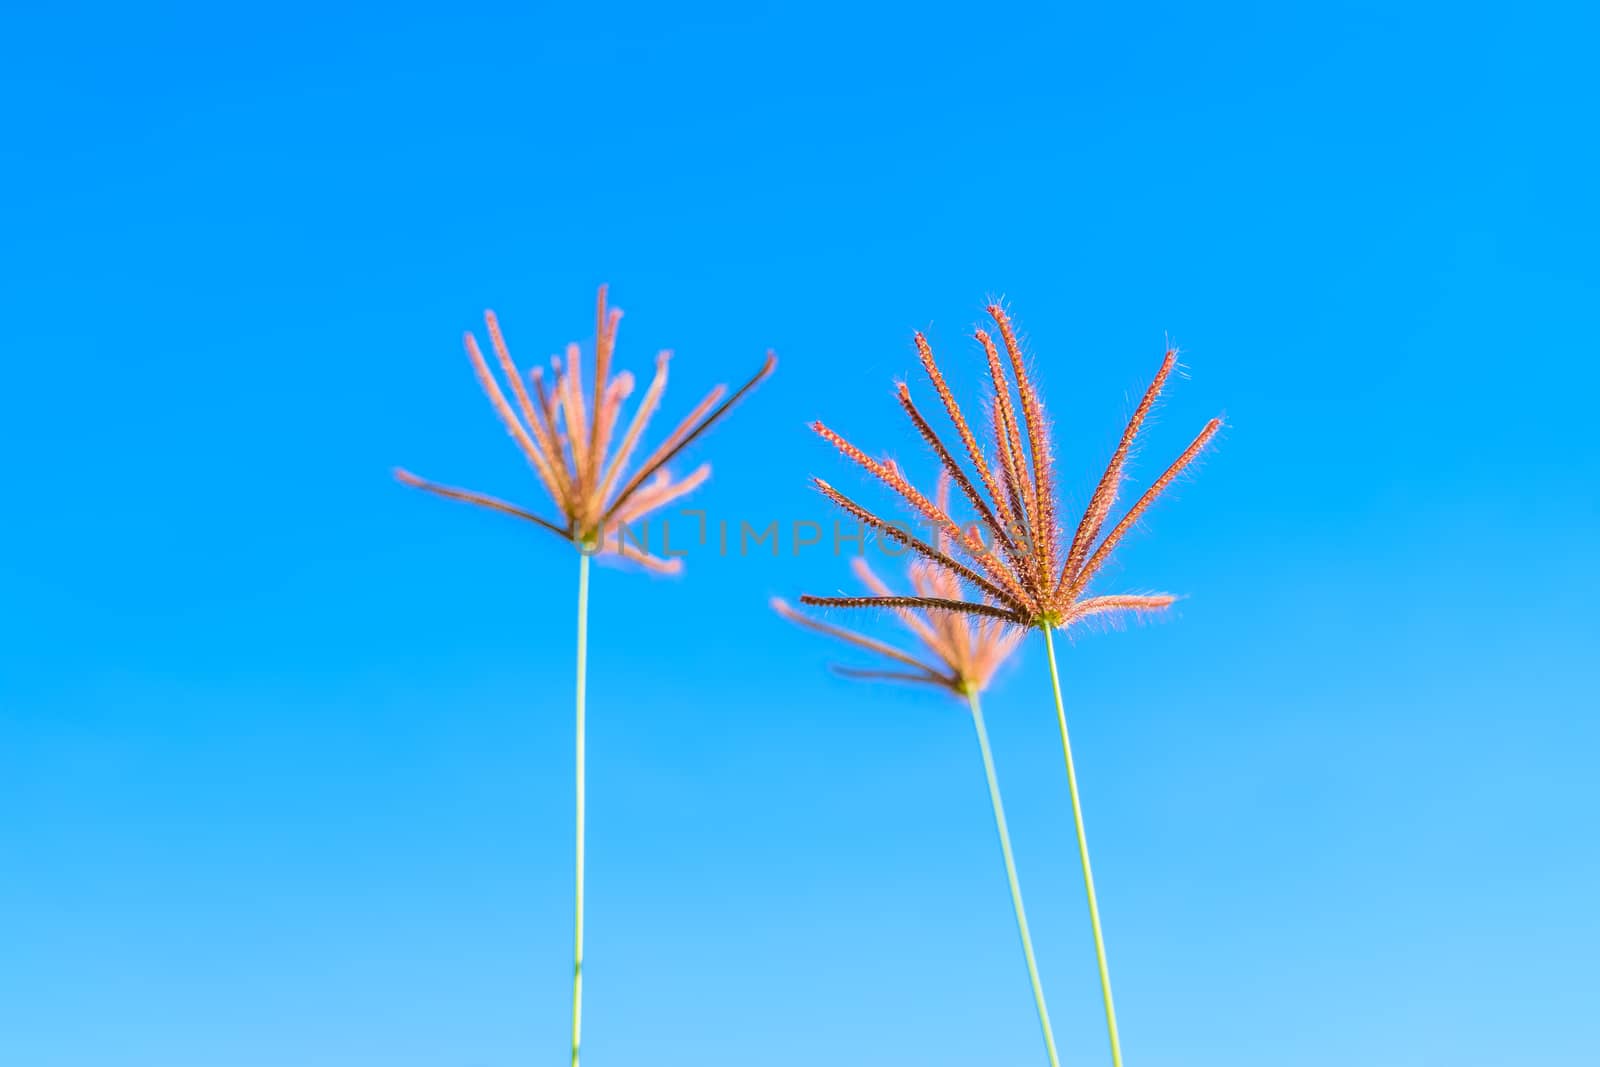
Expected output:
(285, 748)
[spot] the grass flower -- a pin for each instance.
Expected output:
(575, 439)
(570, 436)
(960, 655)
(1019, 563)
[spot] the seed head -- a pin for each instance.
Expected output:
(961, 653)
(1023, 569)
(569, 435)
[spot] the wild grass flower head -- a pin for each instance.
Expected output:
(961, 653)
(1019, 561)
(574, 439)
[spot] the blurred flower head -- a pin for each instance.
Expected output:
(574, 439)
(960, 653)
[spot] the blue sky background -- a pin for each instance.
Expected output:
(285, 748)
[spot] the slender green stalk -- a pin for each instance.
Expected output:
(577, 949)
(1011, 876)
(1083, 854)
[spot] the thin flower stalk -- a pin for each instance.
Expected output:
(580, 762)
(959, 655)
(568, 432)
(1011, 877)
(1112, 1034)
(1025, 569)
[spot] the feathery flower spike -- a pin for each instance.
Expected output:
(1023, 568)
(567, 434)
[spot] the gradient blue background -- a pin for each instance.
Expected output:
(285, 748)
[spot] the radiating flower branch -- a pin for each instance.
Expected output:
(570, 437)
(959, 655)
(1024, 569)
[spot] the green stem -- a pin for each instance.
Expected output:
(577, 949)
(1083, 854)
(1011, 876)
